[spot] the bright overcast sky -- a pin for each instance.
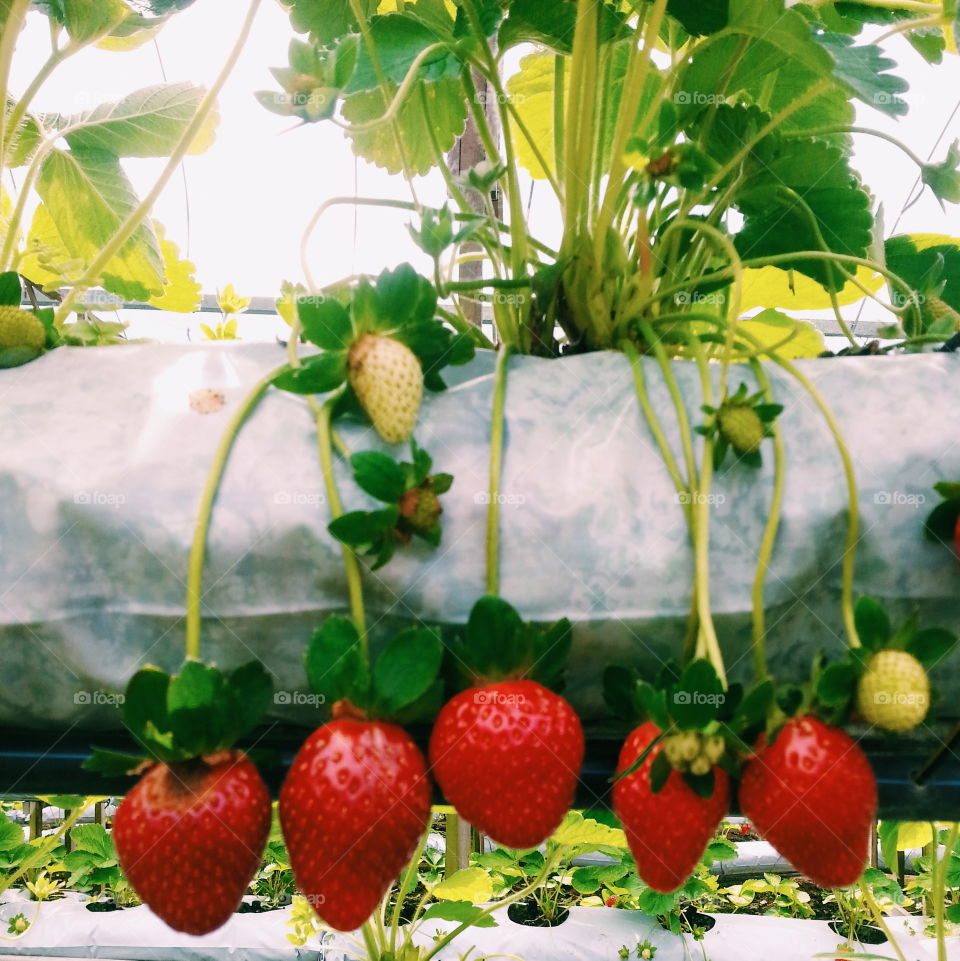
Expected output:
(252, 194)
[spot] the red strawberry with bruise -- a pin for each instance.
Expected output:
(190, 836)
(507, 757)
(353, 807)
(667, 831)
(812, 794)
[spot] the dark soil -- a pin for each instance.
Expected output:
(109, 905)
(865, 933)
(257, 907)
(692, 918)
(528, 913)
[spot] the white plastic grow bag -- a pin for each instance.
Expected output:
(102, 461)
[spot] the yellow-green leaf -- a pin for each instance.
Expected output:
(790, 290)
(791, 338)
(88, 196)
(926, 241)
(182, 293)
(472, 884)
(578, 831)
(46, 260)
(531, 91)
(914, 834)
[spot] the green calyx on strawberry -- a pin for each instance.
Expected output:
(357, 798)
(943, 524)
(507, 751)
(381, 344)
(675, 767)
(413, 496)
(810, 791)
(200, 810)
(885, 680)
(741, 424)
(313, 82)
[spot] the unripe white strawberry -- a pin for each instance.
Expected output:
(22, 336)
(741, 426)
(701, 765)
(387, 378)
(713, 748)
(894, 692)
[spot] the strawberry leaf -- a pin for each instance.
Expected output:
(379, 475)
(654, 903)
(197, 708)
(361, 528)
(931, 645)
(491, 628)
(407, 669)
(326, 323)
(550, 651)
(442, 483)
(319, 375)
(10, 292)
(112, 763)
(145, 706)
(400, 292)
(753, 709)
(249, 690)
(697, 696)
(660, 771)
(942, 522)
(873, 623)
(948, 491)
(462, 912)
(837, 684)
(334, 663)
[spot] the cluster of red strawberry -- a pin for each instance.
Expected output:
(807, 787)
(357, 797)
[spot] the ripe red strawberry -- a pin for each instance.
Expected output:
(745, 828)
(507, 757)
(353, 807)
(813, 796)
(667, 831)
(190, 836)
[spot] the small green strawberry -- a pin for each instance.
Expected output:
(894, 692)
(741, 423)
(22, 336)
(742, 427)
(387, 378)
(936, 310)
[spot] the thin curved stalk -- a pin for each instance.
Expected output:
(496, 471)
(198, 549)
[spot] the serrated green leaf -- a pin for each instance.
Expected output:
(931, 645)
(696, 698)
(586, 834)
(491, 629)
(197, 708)
(334, 663)
(463, 912)
(326, 322)
(837, 684)
(11, 835)
(95, 840)
(318, 375)
(654, 903)
(753, 709)
(407, 668)
(88, 196)
(944, 178)
(363, 528)
(111, 763)
(146, 701)
(379, 475)
(720, 851)
(10, 292)
(873, 623)
(146, 123)
(249, 690)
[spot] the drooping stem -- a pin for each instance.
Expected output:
(406, 884)
(16, 15)
(127, 229)
(853, 525)
(770, 532)
(708, 645)
(496, 470)
(867, 895)
(198, 550)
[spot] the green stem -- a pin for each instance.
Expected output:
(853, 527)
(134, 220)
(496, 470)
(878, 917)
(940, 887)
(370, 941)
(709, 645)
(198, 550)
(656, 428)
(771, 530)
(406, 884)
(13, 24)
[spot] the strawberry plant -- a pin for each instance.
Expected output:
(89, 228)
